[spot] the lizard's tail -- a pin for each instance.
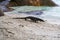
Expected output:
(18, 18)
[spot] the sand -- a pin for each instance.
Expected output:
(19, 29)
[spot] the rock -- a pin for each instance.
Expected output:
(4, 5)
(1, 12)
(33, 2)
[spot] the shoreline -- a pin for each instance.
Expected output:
(48, 20)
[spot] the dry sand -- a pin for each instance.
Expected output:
(19, 29)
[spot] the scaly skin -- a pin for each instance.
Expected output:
(34, 19)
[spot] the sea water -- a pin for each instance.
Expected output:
(51, 14)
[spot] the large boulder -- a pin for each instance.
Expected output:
(34, 2)
(4, 5)
(1, 12)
